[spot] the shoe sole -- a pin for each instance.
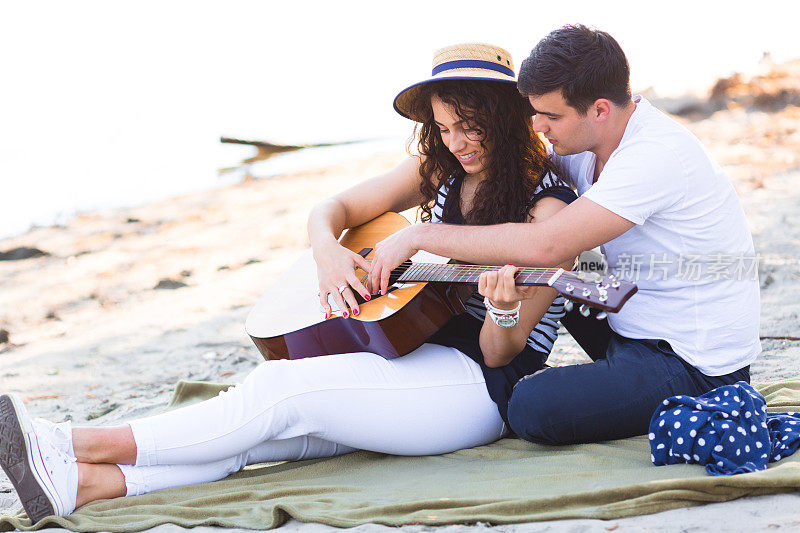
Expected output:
(16, 459)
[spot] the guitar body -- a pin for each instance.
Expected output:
(288, 321)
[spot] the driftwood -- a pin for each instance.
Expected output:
(267, 149)
(23, 252)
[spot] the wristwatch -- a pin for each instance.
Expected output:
(504, 318)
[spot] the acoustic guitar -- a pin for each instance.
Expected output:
(425, 292)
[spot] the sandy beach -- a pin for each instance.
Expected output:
(125, 303)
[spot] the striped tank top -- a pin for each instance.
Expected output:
(544, 333)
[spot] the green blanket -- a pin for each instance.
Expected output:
(509, 481)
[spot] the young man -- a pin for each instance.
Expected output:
(666, 218)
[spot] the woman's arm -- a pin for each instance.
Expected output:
(500, 345)
(396, 190)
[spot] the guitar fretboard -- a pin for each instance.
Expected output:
(454, 273)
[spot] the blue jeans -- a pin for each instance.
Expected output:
(611, 398)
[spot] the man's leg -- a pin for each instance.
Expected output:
(591, 334)
(611, 398)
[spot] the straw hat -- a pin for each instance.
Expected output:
(470, 61)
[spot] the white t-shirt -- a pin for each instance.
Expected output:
(690, 252)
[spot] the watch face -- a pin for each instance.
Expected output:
(506, 321)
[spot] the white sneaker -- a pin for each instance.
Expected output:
(44, 476)
(59, 434)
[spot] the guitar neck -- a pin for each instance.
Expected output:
(469, 274)
(590, 288)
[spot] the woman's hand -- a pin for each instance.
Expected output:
(389, 254)
(336, 271)
(499, 287)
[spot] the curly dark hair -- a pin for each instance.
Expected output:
(516, 159)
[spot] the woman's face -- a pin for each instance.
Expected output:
(461, 137)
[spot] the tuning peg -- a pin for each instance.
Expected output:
(584, 310)
(601, 315)
(568, 306)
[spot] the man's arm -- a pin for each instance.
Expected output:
(580, 226)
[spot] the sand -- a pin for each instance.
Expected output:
(92, 339)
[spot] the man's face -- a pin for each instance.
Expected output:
(567, 130)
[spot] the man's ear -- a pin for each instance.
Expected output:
(601, 109)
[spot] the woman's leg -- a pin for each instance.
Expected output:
(143, 479)
(430, 401)
(98, 482)
(101, 481)
(104, 445)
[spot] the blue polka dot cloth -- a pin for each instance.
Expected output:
(727, 429)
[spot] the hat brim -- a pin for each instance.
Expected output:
(405, 100)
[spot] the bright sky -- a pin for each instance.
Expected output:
(103, 101)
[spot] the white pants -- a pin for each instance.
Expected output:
(431, 401)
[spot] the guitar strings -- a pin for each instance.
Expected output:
(478, 269)
(523, 272)
(561, 284)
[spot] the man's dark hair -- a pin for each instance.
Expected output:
(584, 64)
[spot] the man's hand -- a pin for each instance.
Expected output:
(389, 254)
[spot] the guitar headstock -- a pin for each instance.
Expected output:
(594, 290)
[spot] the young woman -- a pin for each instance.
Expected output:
(479, 162)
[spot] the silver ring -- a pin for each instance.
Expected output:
(342, 288)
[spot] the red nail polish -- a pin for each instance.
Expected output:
(327, 316)
(355, 312)
(367, 297)
(344, 314)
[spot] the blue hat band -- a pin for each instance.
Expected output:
(472, 63)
